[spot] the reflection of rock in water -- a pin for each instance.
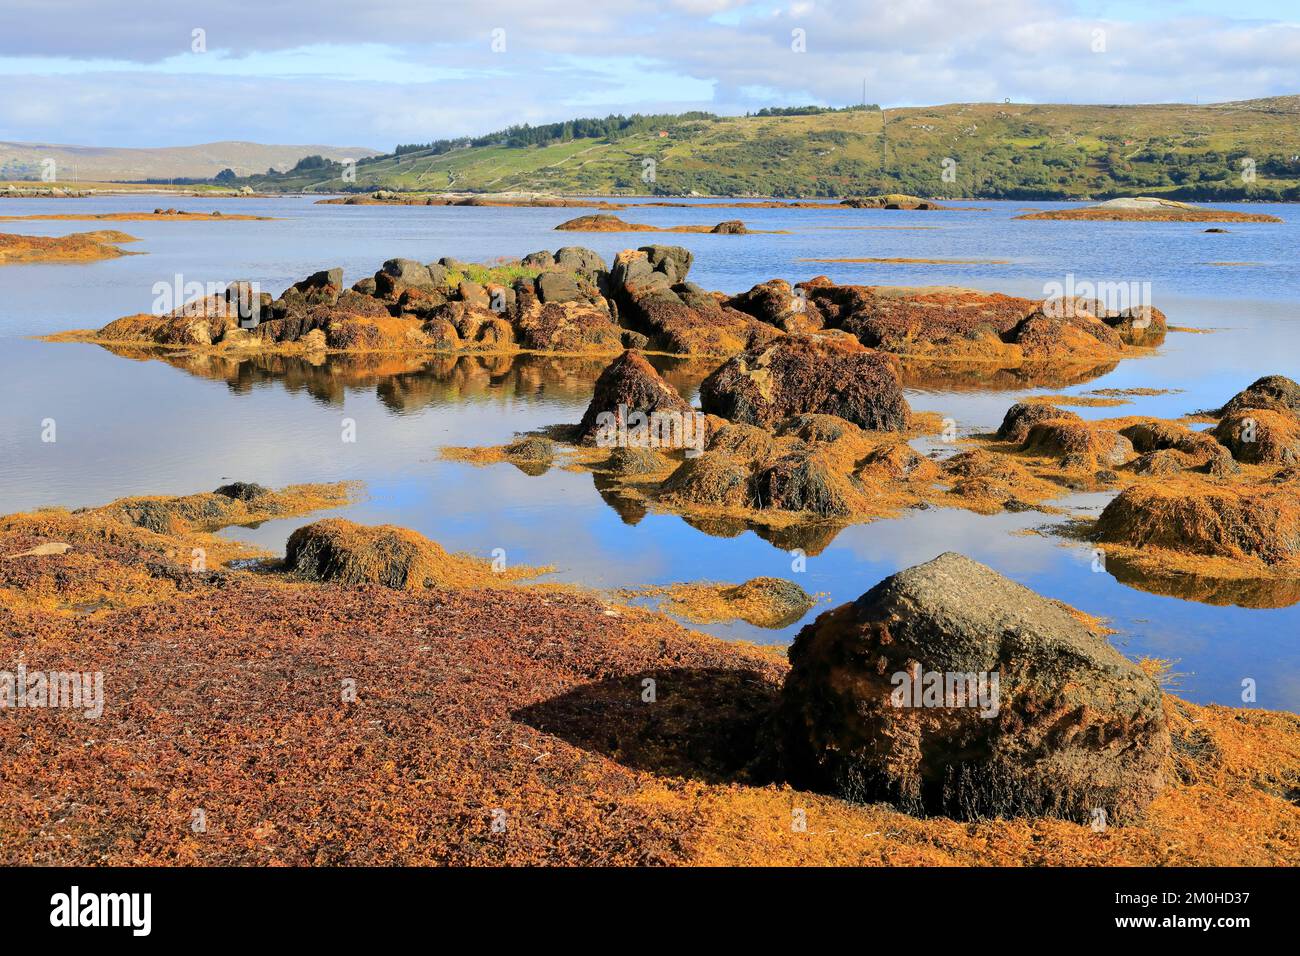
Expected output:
(407, 382)
(810, 538)
(983, 377)
(629, 508)
(1220, 592)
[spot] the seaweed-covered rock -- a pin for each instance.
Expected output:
(628, 462)
(1078, 444)
(630, 384)
(811, 480)
(715, 479)
(778, 304)
(1023, 416)
(1274, 392)
(1196, 516)
(348, 553)
(950, 689)
(1260, 436)
(571, 326)
(794, 375)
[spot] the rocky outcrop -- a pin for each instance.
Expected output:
(950, 689)
(798, 374)
(1023, 416)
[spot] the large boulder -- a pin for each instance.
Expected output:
(794, 375)
(630, 384)
(1032, 712)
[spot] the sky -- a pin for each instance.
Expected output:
(376, 73)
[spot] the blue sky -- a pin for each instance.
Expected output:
(385, 71)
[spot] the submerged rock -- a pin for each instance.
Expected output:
(799, 374)
(1034, 713)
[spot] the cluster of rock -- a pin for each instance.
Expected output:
(1230, 492)
(569, 301)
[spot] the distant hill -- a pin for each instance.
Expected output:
(107, 164)
(993, 150)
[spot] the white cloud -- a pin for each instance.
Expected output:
(395, 70)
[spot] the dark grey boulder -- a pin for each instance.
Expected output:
(558, 287)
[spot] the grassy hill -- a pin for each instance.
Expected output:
(999, 150)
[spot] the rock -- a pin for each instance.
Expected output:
(732, 227)
(409, 272)
(798, 374)
(1144, 326)
(600, 222)
(1022, 416)
(635, 340)
(703, 327)
(579, 259)
(634, 276)
(627, 462)
(1274, 392)
(579, 327)
(541, 259)
(630, 384)
(243, 491)
(558, 287)
(1260, 436)
(777, 304)
(672, 261)
(1078, 444)
(809, 480)
(473, 294)
(1196, 516)
(1069, 727)
(715, 479)
(348, 553)
(1200, 449)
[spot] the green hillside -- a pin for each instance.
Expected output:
(1000, 150)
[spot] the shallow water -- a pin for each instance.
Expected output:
(128, 426)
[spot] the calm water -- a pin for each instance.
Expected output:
(128, 426)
